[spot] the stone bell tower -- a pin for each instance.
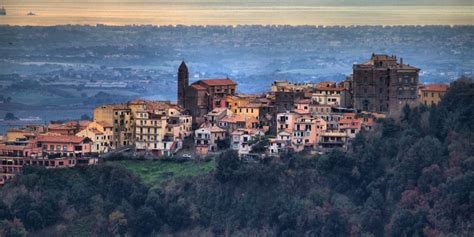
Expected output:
(183, 83)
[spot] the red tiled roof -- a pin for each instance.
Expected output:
(137, 102)
(12, 147)
(435, 87)
(82, 123)
(218, 82)
(96, 132)
(104, 124)
(54, 126)
(197, 87)
(238, 118)
(59, 139)
(216, 129)
(350, 121)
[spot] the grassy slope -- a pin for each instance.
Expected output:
(156, 172)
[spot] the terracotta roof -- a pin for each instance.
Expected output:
(233, 118)
(238, 118)
(13, 147)
(217, 129)
(218, 82)
(59, 139)
(197, 87)
(96, 132)
(159, 105)
(82, 123)
(137, 102)
(104, 124)
(59, 126)
(349, 121)
(435, 87)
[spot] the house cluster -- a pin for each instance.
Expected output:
(301, 116)
(51, 146)
(291, 117)
(150, 126)
(157, 127)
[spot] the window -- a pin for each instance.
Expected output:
(65, 148)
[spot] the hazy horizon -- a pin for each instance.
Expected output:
(218, 12)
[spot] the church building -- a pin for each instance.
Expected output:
(202, 96)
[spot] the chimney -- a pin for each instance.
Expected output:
(401, 60)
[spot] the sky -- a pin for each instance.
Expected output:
(235, 12)
(282, 2)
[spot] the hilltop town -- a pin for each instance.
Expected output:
(99, 64)
(210, 116)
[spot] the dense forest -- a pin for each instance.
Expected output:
(413, 175)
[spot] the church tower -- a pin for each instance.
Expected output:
(183, 82)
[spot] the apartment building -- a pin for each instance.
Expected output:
(431, 94)
(242, 140)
